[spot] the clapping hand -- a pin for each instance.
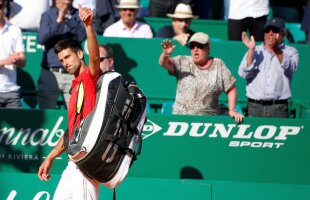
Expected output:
(249, 43)
(63, 10)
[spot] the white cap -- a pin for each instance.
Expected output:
(200, 38)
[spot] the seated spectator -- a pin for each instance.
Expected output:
(200, 79)
(181, 20)
(12, 55)
(106, 58)
(268, 70)
(27, 16)
(127, 26)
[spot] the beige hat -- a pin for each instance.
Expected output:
(200, 38)
(130, 4)
(182, 11)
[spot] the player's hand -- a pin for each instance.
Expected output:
(86, 15)
(44, 169)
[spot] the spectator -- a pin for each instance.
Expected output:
(305, 24)
(106, 58)
(181, 20)
(200, 79)
(127, 26)
(74, 184)
(27, 16)
(57, 23)
(245, 15)
(268, 69)
(12, 56)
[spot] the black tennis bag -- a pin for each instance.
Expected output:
(109, 139)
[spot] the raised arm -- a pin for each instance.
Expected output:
(250, 44)
(164, 58)
(87, 16)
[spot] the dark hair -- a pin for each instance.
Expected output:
(74, 45)
(108, 50)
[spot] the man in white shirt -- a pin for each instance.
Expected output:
(11, 56)
(127, 26)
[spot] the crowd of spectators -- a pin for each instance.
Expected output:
(240, 15)
(55, 20)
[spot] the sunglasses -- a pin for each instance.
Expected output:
(1, 6)
(198, 45)
(103, 58)
(273, 29)
(130, 9)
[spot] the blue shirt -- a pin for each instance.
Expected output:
(266, 77)
(50, 32)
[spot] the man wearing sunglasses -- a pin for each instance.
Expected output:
(106, 58)
(127, 26)
(268, 70)
(200, 79)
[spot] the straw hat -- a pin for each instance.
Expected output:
(182, 11)
(130, 4)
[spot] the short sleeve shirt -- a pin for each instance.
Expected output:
(89, 83)
(198, 90)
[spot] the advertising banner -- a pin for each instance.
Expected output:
(208, 148)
